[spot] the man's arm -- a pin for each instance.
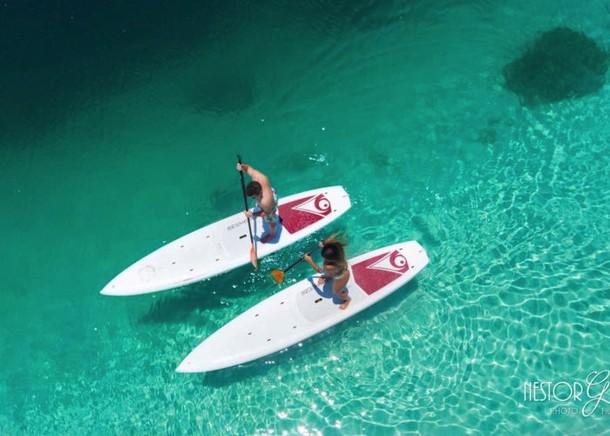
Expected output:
(255, 174)
(267, 201)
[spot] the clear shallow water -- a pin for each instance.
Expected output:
(402, 105)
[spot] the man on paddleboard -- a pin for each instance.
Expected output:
(266, 199)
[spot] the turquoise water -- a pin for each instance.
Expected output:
(109, 153)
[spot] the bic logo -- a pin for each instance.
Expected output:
(318, 205)
(391, 262)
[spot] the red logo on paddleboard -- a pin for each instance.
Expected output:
(303, 212)
(375, 273)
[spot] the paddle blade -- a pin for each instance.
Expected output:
(278, 276)
(253, 258)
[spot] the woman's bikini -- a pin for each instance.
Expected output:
(337, 271)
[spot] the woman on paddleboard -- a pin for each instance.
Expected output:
(334, 268)
(266, 199)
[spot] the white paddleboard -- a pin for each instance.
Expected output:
(225, 245)
(305, 309)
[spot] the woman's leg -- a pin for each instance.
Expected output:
(340, 289)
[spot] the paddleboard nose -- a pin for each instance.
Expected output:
(189, 365)
(183, 367)
(111, 289)
(108, 290)
(199, 360)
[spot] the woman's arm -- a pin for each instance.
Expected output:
(310, 261)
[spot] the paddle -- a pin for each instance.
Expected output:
(278, 275)
(243, 190)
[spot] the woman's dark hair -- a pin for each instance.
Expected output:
(253, 189)
(330, 252)
(333, 252)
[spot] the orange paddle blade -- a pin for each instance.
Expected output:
(253, 258)
(278, 276)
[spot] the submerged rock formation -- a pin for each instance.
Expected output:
(559, 65)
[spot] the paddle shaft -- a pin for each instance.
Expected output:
(295, 263)
(243, 191)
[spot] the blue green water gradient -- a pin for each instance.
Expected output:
(109, 153)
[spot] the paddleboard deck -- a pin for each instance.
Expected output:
(225, 245)
(305, 309)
